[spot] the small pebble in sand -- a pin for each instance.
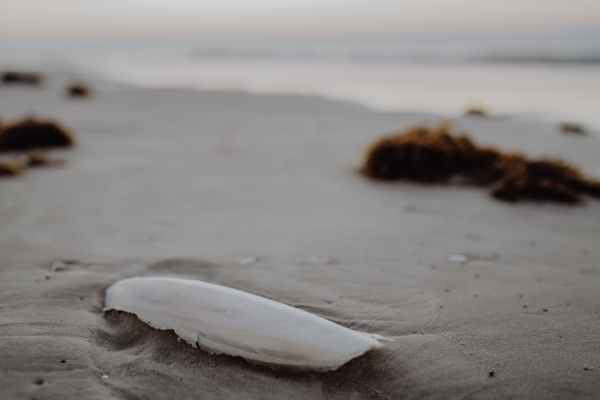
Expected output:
(458, 258)
(105, 377)
(249, 260)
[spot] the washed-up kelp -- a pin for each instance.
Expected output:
(477, 111)
(21, 78)
(32, 134)
(12, 168)
(573, 128)
(78, 90)
(439, 155)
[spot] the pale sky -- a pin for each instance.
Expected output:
(235, 18)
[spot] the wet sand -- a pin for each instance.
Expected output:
(186, 184)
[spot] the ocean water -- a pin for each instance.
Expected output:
(551, 76)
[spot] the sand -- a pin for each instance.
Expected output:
(187, 183)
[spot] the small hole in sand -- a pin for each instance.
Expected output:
(63, 361)
(586, 369)
(544, 310)
(491, 374)
(39, 382)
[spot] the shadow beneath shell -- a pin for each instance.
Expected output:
(160, 351)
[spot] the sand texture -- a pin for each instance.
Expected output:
(186, 184)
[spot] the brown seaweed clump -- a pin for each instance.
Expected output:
(12, 168)
(428, 156)
(21, 78)
(33, 134)
(477, 111)
(39, 158)
(438, 155)
(78, 90)
(572, 127)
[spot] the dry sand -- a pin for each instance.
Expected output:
(185, 183)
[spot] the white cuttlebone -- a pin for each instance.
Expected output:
(230, 321)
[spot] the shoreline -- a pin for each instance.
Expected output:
(521, 92)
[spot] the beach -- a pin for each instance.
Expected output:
(186, 183)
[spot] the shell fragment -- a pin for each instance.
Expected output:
(230, 321)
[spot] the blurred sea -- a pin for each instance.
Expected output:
(550, 76)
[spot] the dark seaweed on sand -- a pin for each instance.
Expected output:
(438, 155)
(78, 90)
(477, 111)
(39, 158)
(572, 127)
(12, 168)
(33, 134)
(21, 78)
